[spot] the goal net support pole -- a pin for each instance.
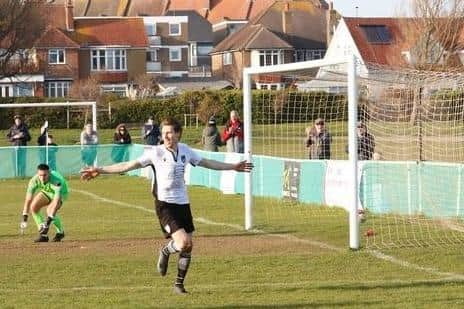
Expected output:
(350, 62)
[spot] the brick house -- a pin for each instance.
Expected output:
(278, 35)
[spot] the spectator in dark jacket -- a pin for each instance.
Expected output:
(318, 140)
(19, 135)
(211, 138)
(151, 132)
(121, 139)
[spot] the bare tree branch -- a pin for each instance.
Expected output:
(21, 24)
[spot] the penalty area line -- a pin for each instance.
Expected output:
(375, 253)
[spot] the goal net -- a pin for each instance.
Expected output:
(401, 187)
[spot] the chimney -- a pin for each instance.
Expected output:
(69, 15)
(285, 10)
(206, 5)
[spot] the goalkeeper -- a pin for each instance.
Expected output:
(46, 189)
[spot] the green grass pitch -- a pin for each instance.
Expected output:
(107, 259)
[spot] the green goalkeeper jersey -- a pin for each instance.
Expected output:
(56, 185)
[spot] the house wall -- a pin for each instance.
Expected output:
(231, 72)
(135, 63)
(55, 71)
(84, 63)
(167, 65)
(162, 30)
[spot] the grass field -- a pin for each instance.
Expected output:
(295, 259)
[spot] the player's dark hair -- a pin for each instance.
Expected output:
(43, 167)
(174, 123)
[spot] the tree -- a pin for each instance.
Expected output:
(21, 24)
(146, 86)
(437, 29)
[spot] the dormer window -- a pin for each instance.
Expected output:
(56, 56)
(376, 34)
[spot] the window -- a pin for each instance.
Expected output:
(174, 29)
(270, 57)
(108, 60)
(150, 29)
(175, 54)
(23, 90)
(376, 34)
(309, 54)
(226, 58)
(57, 89)
(152, 55)
(120, 90)
(56, 56)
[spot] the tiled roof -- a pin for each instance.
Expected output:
(54, 37)
(301, 16)
(403, 33)
(56, 16)
(200, 29)
(110, 31)
(146, 7)
(236, 10)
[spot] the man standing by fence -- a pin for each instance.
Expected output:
(19, 135)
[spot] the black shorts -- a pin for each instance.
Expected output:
(173, 217)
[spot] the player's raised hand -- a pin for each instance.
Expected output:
(243, 166)
(88, 173)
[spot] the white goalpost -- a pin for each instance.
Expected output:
(333, 139)
(350, 63)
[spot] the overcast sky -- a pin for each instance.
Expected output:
(372, 8)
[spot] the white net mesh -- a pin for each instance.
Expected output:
(410, 146)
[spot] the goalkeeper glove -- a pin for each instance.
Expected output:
(23, 224)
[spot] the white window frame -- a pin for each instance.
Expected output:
(60, 89)
(171, 33)
(110, 59)
(227, 58)
(154, 55)
(175, 49)
(151, 27)
(58, 53)
(272, 53)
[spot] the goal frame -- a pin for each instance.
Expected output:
(93, 104)
(351, 62)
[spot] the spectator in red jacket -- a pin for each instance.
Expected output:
(232, 136)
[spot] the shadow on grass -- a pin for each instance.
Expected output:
(303, 305)
(392, 284)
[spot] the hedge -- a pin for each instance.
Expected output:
(219, 103)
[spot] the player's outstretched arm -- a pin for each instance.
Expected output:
(91, 172)
(242, 166)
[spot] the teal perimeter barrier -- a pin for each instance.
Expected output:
(409, 188)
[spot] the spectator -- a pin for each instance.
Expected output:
(121, 139)
(151, 132)
(366, 143)
(232, 135)
(318, 140)
(211, 139)
(19, 135)
(89, 142)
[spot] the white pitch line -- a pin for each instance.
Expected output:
(375, 253)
